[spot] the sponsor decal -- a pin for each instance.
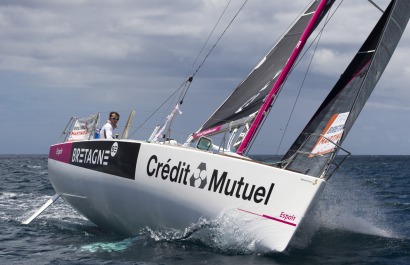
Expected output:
(115, 158)
(176, 173)
(283, 217)
(83, 128)
(287, 217)
(114, 149)
(218, 182)
(208, 131)
(199, 177)
(333, 131)
(90, 156)
(60, 152)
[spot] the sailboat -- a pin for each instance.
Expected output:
(125, 185)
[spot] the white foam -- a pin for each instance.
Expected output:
(7, 195)
(345, 207)
(34, 167)
(108, 246)
(227, 234)
(22, 206)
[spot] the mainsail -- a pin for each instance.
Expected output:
(247, 100)
(319, 142)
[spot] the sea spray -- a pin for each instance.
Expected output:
(108, 246)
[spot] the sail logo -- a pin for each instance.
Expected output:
(331, 135)
(179, 172)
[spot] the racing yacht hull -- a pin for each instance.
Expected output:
(128, 185)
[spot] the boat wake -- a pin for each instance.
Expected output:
(355, 210)
(109, 246)
(226, 234)
(344, 212)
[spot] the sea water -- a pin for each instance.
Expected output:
(363, 217)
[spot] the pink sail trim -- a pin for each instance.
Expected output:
(207, 132)
(281, 79)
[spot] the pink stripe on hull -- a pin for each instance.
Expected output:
(278, 220)
(61, 152)
(269, 217)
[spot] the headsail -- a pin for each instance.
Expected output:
(242, 106)
(317, 145)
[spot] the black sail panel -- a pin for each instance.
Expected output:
(248, 97)
(311, 153)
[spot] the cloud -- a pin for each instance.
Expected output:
(69, 58)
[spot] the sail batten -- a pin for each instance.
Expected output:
(307, 14)
(367, 51)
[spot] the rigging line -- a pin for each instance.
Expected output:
(373, 3)
(159, 107)
(209, 37)
(188, 83)
(318, 37)
(298, 95)
(217, 41)
(183, 93)
(313, 41)
(293, 67)
(189, 80)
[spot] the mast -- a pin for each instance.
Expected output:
(263, 111)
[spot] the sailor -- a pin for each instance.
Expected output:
(106, 131)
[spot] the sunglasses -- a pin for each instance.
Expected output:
(113, 118)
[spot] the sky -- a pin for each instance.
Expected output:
(60, 59)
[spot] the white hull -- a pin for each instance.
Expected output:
(128, 185)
